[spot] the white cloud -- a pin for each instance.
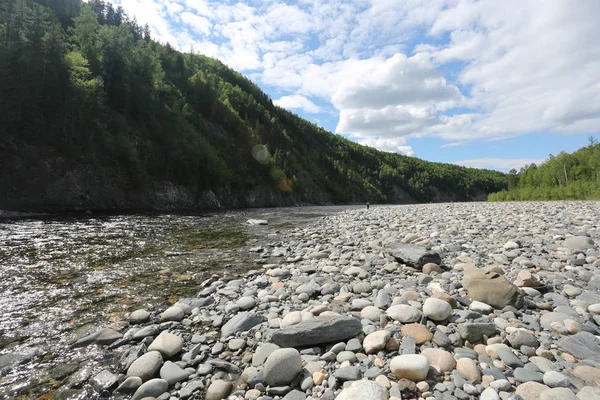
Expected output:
(398, 69)
(502, 164)
(531, 66)
(200, 24)
(297, 102)
(392, 145)
(397, 81)
(391, 121)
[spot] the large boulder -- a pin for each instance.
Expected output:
(490, 287)
(412, 255)
(318, 331)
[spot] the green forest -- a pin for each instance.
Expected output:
(86, 83)
(565, 176)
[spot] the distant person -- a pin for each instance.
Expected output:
(368, 205)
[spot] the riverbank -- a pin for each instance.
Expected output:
(425, 301)
(64, 276)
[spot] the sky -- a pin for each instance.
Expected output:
(488, 84)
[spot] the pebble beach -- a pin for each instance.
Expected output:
(438, 301)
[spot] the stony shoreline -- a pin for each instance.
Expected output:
(440, 301)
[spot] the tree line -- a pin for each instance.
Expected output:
(86, 82)
(574, 176)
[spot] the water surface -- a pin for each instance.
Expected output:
(62, 277)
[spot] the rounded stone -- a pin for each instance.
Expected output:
(173, 373)
(436, 309)
(153, 388)
(441, 360)
(246, 303)
(489, 394)
(172, 314)
(376, 341)
(139, 317)
(295, 317)
(555, 379)
(236, 344)
(404, 313)
(168, 344)
(588, 393)
(345, 356)
(468, 369)
(530, 390)
(419, 332)
(147, 366)
(218, 390)
(371, 313)
(364, 390)
(413, 367)
(559, 393)
(282, 367)
(430, 268)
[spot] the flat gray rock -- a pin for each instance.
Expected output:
(351, 373)
(317, 331)
(579, 243)
(581, 345)
(152, 388)
(295, 395)
(474, 332)
(241, 322)
(413, 255)
(104, 381)
(104, 336)
(173, 373)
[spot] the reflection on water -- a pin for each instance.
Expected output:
(61, 278)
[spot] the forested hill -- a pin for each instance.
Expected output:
(566, 176)
(96, 115)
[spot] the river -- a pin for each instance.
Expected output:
(62, 277)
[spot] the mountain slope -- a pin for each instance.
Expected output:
(97, 115)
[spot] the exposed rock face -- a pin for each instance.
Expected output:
(490, 287)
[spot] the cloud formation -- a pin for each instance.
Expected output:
(298, 102)
(461, 70)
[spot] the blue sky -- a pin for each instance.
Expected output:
(491, 84)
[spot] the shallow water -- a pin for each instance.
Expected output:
(63, 277)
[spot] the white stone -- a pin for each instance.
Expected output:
(413, 367)
(364, 390)
(404, 313)
(376, 341)
(436, 309)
